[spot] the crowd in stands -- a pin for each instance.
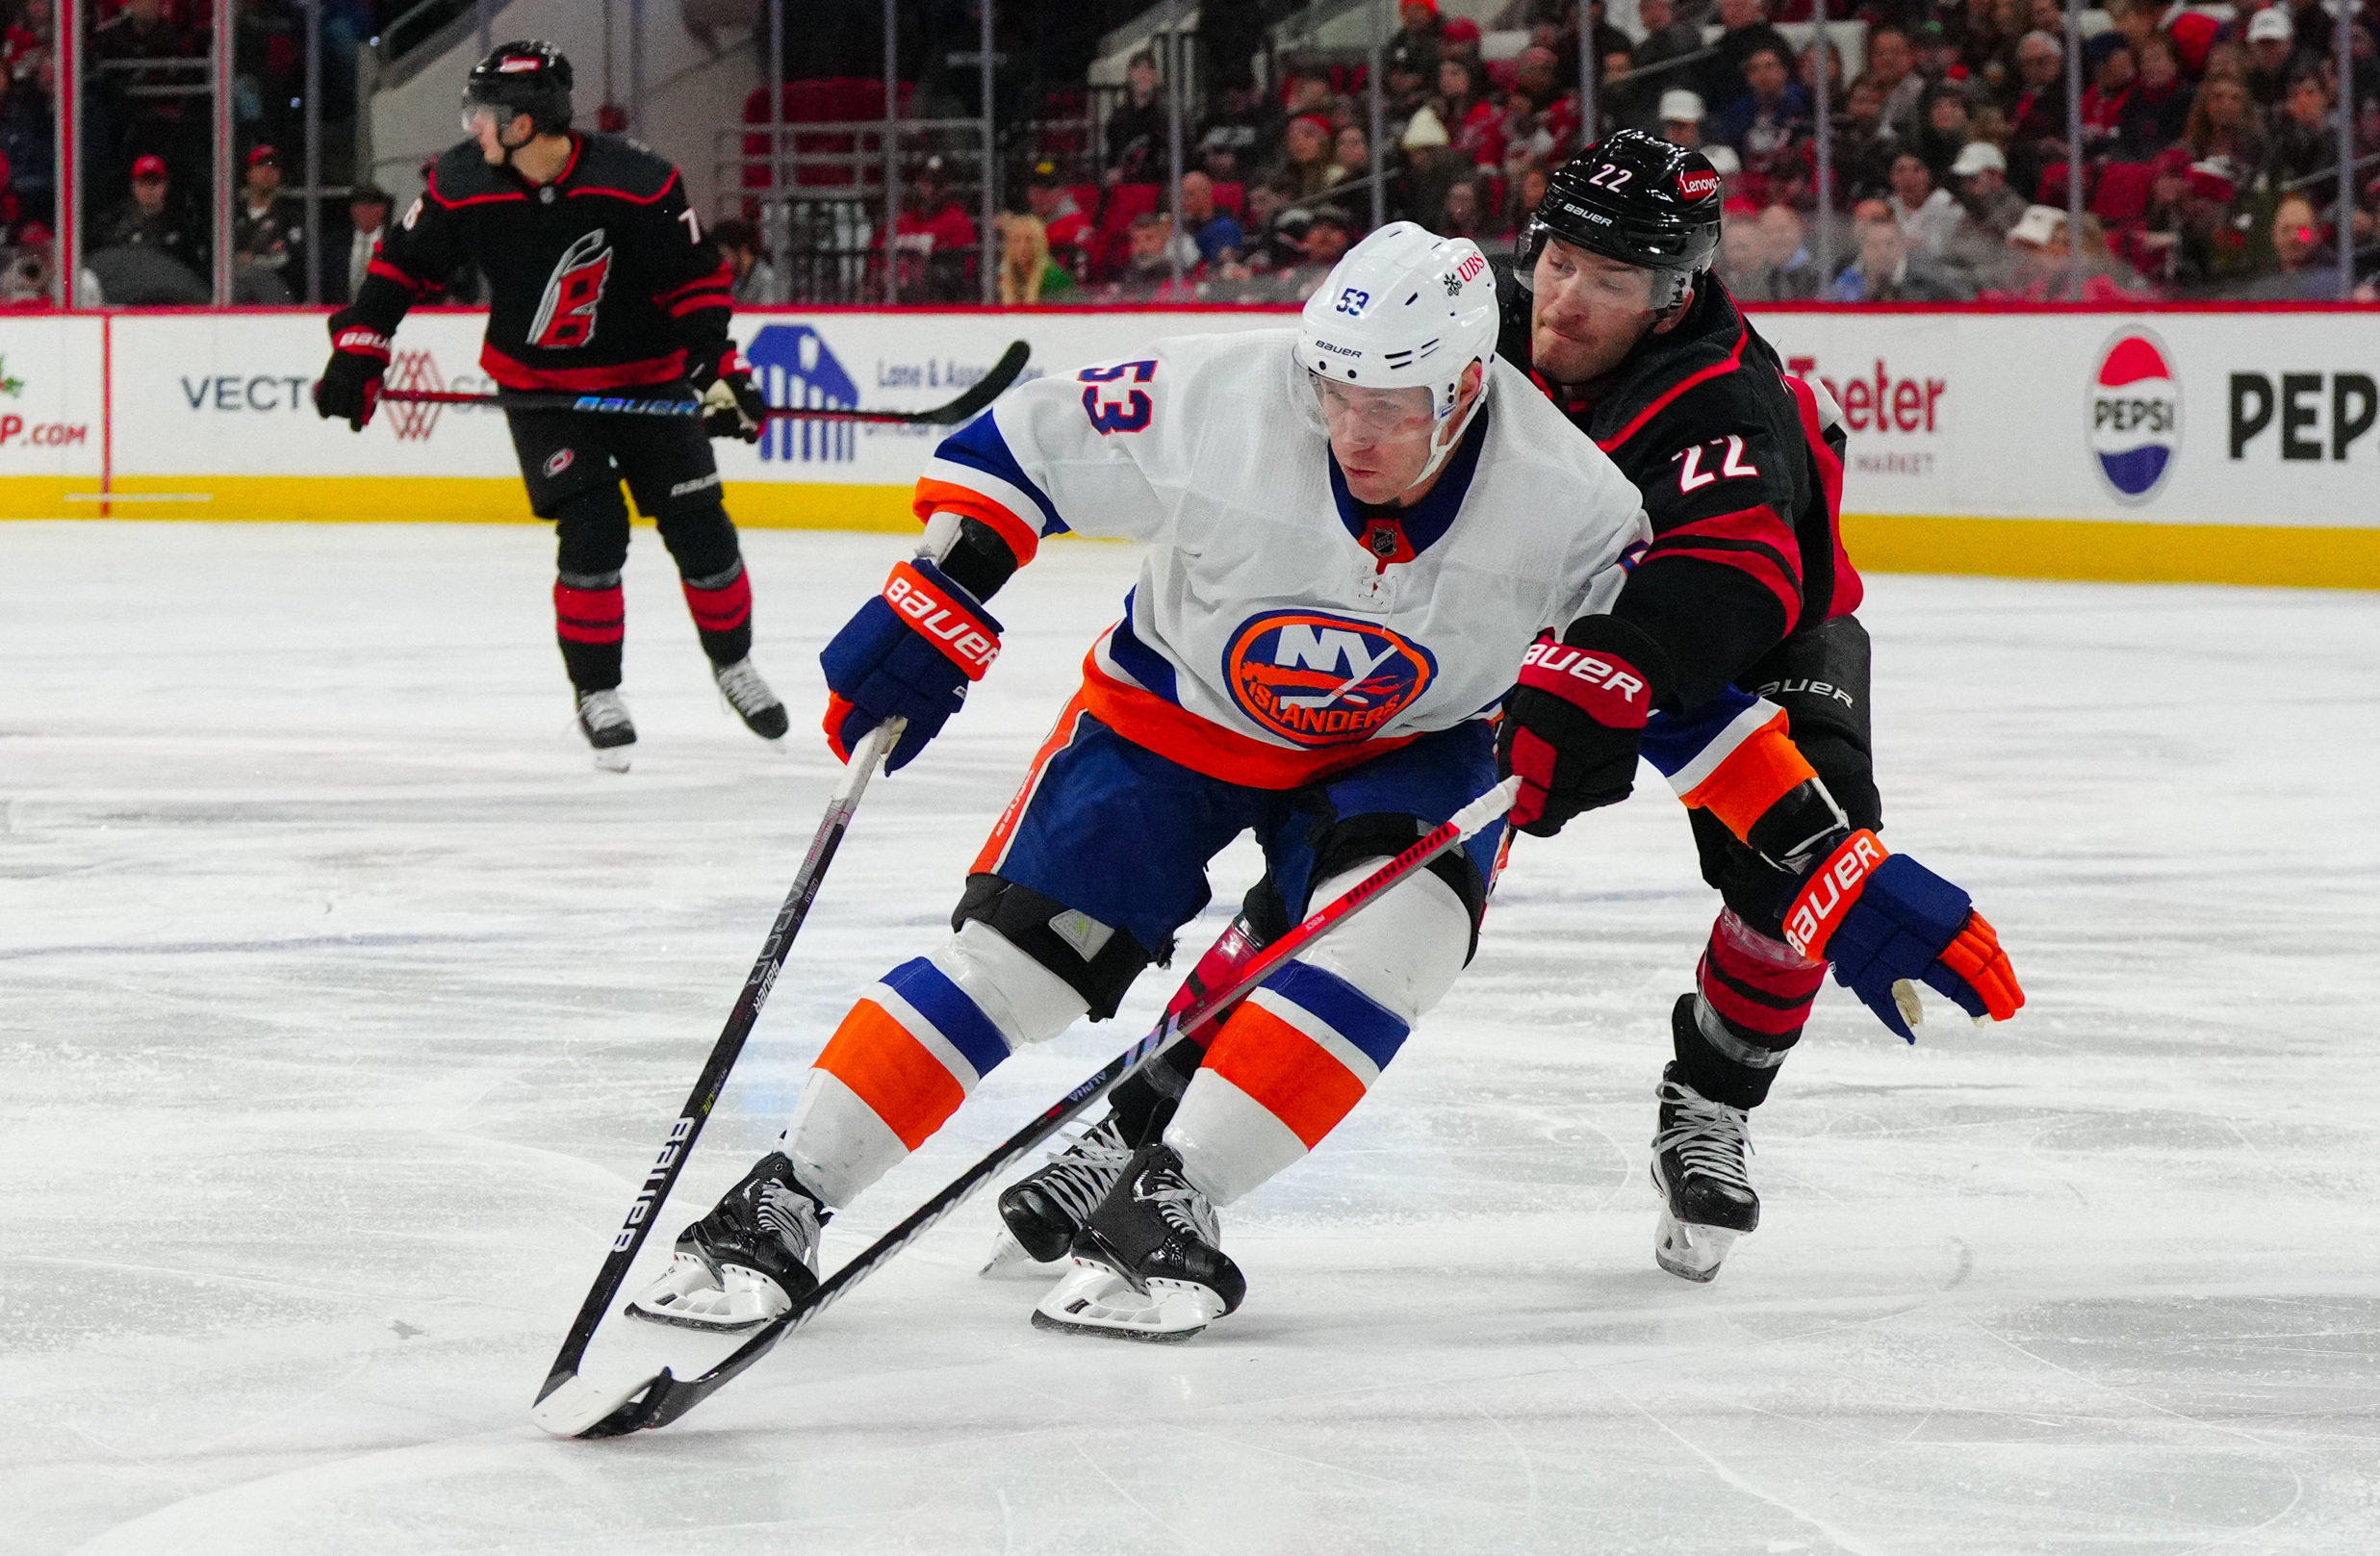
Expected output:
(2209, 161)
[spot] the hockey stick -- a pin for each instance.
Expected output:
(562, 1382)
(982, 393)
(589, 1411)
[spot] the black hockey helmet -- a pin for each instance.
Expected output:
(1632, 198)
(526, 77)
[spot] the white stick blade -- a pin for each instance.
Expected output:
(579, 1404)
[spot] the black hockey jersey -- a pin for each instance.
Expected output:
(602, 279)
(1740, 467)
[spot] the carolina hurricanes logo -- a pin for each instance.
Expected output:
(1323, 680)
(566, 313)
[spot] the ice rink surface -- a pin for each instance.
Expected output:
(343, 1003)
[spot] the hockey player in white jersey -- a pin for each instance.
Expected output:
(1355, 528)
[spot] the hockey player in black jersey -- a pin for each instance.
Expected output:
(1610, 304)
(601, 279)
(1745, 595)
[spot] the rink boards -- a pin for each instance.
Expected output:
(2184, 444)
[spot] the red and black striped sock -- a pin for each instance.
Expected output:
(590, 618)
(721, 607)
(1753, 996)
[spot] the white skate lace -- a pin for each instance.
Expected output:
(1079, 1177)
(789, 1213)
(603, 710)
(1711, 1137)
(1184, 1208)
(744, 688)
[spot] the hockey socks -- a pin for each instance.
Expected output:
(1753, 996)
(720, 604)
(590, 618)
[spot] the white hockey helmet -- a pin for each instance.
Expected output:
(1405, 308)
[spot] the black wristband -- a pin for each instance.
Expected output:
(979, 561)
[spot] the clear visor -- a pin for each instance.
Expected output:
(1379, 413)
(477, 114)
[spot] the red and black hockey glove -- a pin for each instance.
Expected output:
(349, 387)
(909, 653)
(1881, 917)
(1572, 724)
(733, 407)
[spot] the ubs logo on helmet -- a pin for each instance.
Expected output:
(1696, 183)
(1318, 680)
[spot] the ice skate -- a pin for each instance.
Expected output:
(1146, 1264)
(1043, 1211)
(751, 699)
(747, 1262)
(604, 718)
(1698, 1168)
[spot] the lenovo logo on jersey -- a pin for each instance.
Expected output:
(566, 314)
(1317, 679)
(1562, 659)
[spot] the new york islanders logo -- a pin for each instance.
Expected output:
(2136, 416)
(566, 313)
(1318, 680)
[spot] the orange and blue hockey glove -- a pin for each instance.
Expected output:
(1883, 918)
(909, 652)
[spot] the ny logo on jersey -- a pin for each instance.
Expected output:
(1318, 680)
(566, 313)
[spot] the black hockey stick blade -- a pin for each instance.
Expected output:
(663, 1398)
(982, 393)
(565, 1397)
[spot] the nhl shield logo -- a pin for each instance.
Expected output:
(2136, 416)
(1318, 680)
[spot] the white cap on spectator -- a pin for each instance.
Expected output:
(1679, 106)
(1723, 160)
(2271, 25)
(1976, 157)
(2038, 226)
(1425, 130)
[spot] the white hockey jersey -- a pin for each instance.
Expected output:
(1278, 634)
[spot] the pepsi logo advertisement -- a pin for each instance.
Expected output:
(1319, 680)
(2136, 416)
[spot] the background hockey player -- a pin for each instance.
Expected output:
(1746, 591)
(602, 280)
(1354, 530)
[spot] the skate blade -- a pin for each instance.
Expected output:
(1093, 1300)
(1008, 1253)
(612, 758)
(687, 1296)
(1689, 1252)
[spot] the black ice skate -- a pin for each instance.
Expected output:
(1043, 1211)
(604, 718)
(1146, 1264)
(747, 1262)
(1698, 1168)
(751, 699)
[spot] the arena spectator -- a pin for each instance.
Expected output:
(755, 278)
(150, 252)
(1892, 67)
(936, 239)
(28, 138)
(2301, 269)
(1981, 177)
(1885, 270)
(1666, 38)
(1419, 193)
(158, 118)
(2037, 110)
(1139, 127)
(1350, 155)
(2222, 126)
(2156, 110)
(1747, 28)
(1063, 222)
(1463, 216)
(1947, 127)
(2305, 136)
(1681, 119)
(1211, 236)
(1415, 47)
(28, 40)
(1304, 170)
(368, 219)
(1770, 113)
(1148, 270)
(1775, 260)
(1926, 213)
(267, 236)
(1028, 275)
(2272, 45)
(27, 277)
(2108, 60)
(1327, 238)
(1468, 116)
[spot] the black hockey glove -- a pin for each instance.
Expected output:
(731, 406)
(1573, 724)
(349, 387)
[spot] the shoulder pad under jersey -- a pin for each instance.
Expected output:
(462, 174)
(613, 164)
